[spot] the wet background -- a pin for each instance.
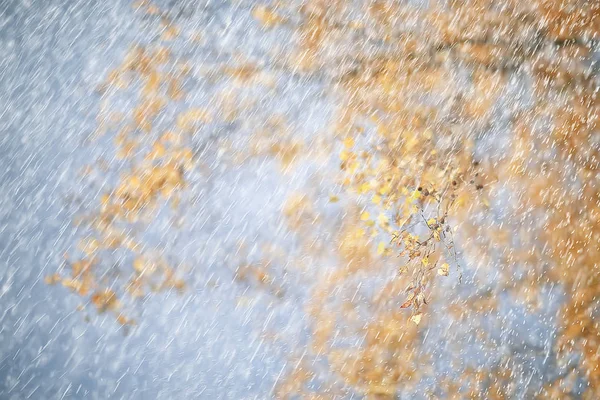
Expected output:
(204, 343)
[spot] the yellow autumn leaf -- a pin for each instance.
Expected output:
(364, 187)
(380, 248)
(425, 261)
(384, 190)
(414, 196)
(365, 216)
(411, 143)
(382, 219)
(416, 318)
(139, 264)
(444, 269)
(349, 142)
(486, 202)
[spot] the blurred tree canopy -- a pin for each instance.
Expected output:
(466, 134)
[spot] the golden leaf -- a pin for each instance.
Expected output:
(380, 248)
(416, 318)
(408, 301)
(382, 219)
(444, 270)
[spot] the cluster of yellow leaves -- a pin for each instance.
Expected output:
(299, 212)
(189, 120)
(157, 167)
(267, 17)
(276, 142)
(423, 170)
